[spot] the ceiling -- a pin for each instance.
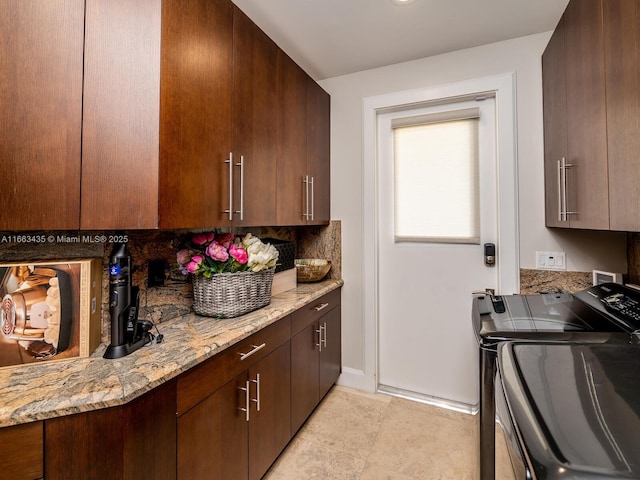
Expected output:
(329, 38)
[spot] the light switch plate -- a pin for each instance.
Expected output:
(551, 260)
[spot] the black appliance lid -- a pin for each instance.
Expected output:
(576, 407)
(602, 308)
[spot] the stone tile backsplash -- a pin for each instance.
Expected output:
(174, 298)
(548, 281)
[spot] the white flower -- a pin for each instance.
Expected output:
(261, 256)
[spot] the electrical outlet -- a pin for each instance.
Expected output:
(156, 274)
(551, 260)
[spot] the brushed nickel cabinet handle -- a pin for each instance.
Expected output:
(241, 165)
(305, 180)
(563, 201)
(257, 399)
(254, 350)
(322, 306)
(323, 335)
(245, 389)
(560, 191)
(312, 207)
(230, 162)
(319, 344)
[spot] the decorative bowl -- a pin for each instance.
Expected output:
(311, 269)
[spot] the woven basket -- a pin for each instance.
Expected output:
(232, 294)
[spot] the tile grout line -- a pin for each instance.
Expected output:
(377, 436)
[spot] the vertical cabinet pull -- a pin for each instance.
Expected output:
(563, 202)
(245, 389)
(257, 399)
(230, 162)
(241, 165)
(312, 209)
(305, 180)
(322, 337)
(560, 191)
(319, 344)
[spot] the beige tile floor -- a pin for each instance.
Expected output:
(360, 436)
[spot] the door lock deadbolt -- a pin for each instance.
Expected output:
(489, 254)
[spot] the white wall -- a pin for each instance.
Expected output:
(585, 250)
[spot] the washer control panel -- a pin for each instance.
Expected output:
(617, 300)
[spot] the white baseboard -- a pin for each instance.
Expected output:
(353, 378)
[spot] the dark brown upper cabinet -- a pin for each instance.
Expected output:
(176, 127)
(303, 193)
(622, 61)
(591, 95)
(41, 113)
(157, 112)
(291, 142)
(318, 153)
(195, 112)
(254, 127)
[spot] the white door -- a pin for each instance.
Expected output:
(426, 346)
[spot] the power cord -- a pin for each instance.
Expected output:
(160, 336)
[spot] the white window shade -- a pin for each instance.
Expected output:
(436, 177)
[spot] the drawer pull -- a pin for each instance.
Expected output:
(255, 349)
(322, 306)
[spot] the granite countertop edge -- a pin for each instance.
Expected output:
(57, 388)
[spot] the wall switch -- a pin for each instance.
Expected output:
(551, 260)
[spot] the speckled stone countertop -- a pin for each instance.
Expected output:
(38, 392)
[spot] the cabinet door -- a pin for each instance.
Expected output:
(213, 436)
(121, 115)
(134, 441)
(554, 87)
(254, 125)
(622, 53)
(318, 150)
(270, 418)
(586, 115)
(195, 128)
(23, 458)
(330, 354)
(291, 155)
(41, 113)
(305, 368)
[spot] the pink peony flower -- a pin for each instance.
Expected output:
(225, 239)
(202, 238)
(217, 252)
(182, 256)
(192, 266)
(210, 254)
(239, 253)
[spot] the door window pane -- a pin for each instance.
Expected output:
(436, 178)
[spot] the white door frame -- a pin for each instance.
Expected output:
(508, 240)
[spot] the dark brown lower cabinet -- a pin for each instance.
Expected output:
(238, 431)
(133, 441)
(315, 355)
(22, 452)
(228, 418)
(330, 354)
(213, 436)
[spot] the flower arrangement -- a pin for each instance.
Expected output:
(208, 254)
